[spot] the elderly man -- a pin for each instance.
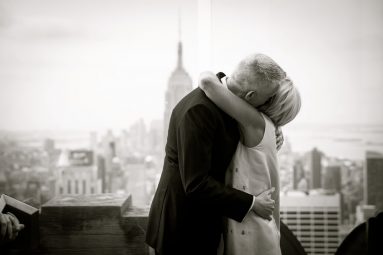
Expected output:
(192, 199)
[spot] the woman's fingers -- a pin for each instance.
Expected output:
(279, 137)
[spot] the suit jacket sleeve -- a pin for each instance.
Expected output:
(195, 138)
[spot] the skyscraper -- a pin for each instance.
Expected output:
(373, 180)
(332, 177)
(138, 137)
(179, 85)
(298, 173)
(314, 219)
(76, 173)
(316, 169)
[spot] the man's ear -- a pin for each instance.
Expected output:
(250, 95)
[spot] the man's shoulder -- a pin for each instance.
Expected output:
(196, 106)
(195, 99)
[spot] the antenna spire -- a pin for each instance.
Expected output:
(179, 65)
(179, 23)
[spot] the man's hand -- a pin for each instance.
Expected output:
(279, 137)
(16, 226)
(264, 205)
(6, 232)
(9, 227)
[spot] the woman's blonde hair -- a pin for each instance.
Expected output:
(284, 106)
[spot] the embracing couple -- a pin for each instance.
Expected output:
(219, 188)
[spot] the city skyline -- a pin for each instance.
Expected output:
(87, 89)
(119, 169)
(97, 66)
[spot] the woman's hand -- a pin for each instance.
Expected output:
(207, 79)
(279, 138)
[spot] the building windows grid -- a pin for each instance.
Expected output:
(315, 227)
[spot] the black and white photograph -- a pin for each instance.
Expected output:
(191, 127)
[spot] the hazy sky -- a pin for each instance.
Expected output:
(83, 64)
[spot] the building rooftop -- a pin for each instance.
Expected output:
(103, 224)
(312, 199)
(374, 154)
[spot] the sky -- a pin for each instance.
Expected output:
(86, 64)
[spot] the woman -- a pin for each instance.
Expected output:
(254, 166)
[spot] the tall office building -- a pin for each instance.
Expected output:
(76, 173)
(49, 145)
(364, 212)
(138, 137)
(332, 177)
(179, 85)
(286, 166)
(298, 173)
(137, 181)
(155, 137)
(373, 180)
(315, 169)
(109, 152)
(314, 219)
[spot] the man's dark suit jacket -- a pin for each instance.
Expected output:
(191, 198)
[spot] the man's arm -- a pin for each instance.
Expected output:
(195, 138)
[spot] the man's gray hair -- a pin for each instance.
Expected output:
(258, 68)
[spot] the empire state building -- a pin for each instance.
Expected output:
(179, 85)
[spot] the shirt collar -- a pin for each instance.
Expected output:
(224, 80)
